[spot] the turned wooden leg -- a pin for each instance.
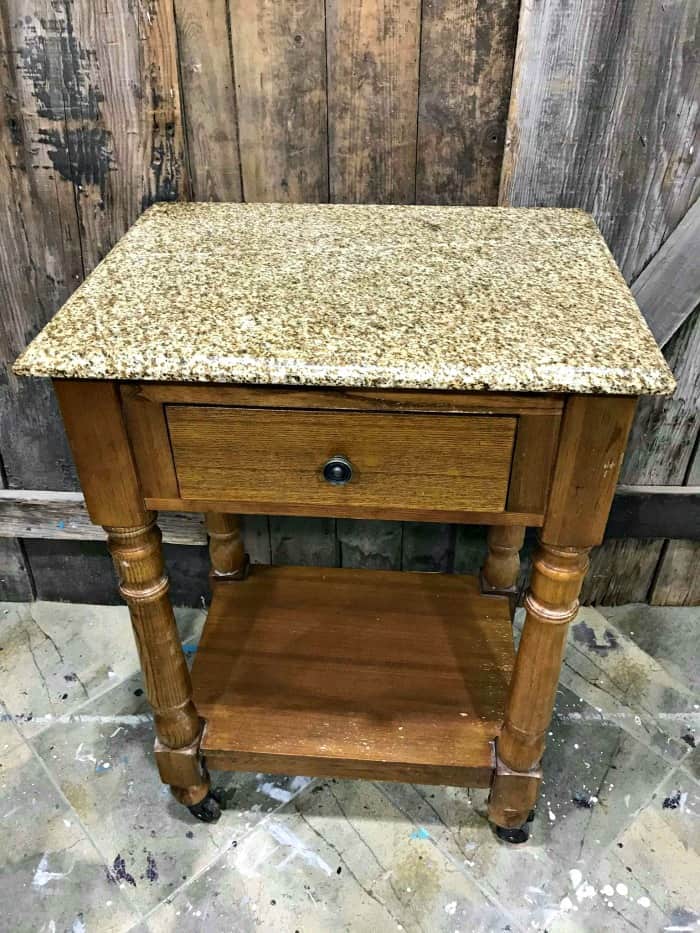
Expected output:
(226, 550)
(138, 559)
(501, 569)
(551, 603)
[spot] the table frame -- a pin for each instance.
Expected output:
(591, 443)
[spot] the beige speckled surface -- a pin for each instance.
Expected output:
(423, 297)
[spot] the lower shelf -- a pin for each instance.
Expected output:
(354, 673)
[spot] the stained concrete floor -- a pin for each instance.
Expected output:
(90, 841)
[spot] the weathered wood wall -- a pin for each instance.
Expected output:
(108, 107)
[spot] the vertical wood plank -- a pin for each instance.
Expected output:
(677, 581)
(373, 544)
(209, 102)
(373, 50)
(165, 176)
(466, 65)
(303, 541)
(279, 68)
(279, 61)
(15, 577)
(602, 117)
(90, 133)
(428, 547)
(470, 549)
(256, 537)
(668, 289)
(40, 249)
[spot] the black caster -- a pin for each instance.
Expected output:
(516, 835)
(209, 809)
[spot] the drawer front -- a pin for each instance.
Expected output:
(405, 461)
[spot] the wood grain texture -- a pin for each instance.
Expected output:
(138, 560)
(592, 444)
(92, 416)
(354, 672)
(351, 399)
(279, 61)
(282, 507)
(89, 133)
(602, 117)
(466, 64)
(16, 583)
(373, 51)
(501, 569)
(677, 581)
(209, 100)
(550, 605)
(150, 443)
(659, 452)
(533, 460)
(226, 547)
(40, 251)
(63, 516)
(668, 288)
(253, 455)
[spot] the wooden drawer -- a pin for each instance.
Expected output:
(406, 461)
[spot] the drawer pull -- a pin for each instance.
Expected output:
(337, 471)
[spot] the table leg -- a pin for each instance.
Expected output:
(501, 569)
(138, 559)
(551, 604)
(226, 549)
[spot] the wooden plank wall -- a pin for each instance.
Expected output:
(604, 116)
(107, 108)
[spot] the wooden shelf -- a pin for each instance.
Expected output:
(354, 673)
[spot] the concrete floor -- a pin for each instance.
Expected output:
(90, 840)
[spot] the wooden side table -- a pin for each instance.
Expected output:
(469, 365)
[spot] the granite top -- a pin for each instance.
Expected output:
(416, 297)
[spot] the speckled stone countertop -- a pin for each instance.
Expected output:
(416, 297)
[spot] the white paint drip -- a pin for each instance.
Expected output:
(275, 792)
(622, 889)
(451, 908)
(137, 719)
(79, 756)
(644, 901)
(299, 783)
(585, 891)
(270, 789)
(608, 890)
(576, 877)
(42, 876)
(78, 926)
(552, 816)
(285, 837)
(567, 904)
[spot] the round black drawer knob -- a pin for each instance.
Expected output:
(338, 470)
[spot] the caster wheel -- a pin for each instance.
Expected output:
(208, 810)
(516, 835)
